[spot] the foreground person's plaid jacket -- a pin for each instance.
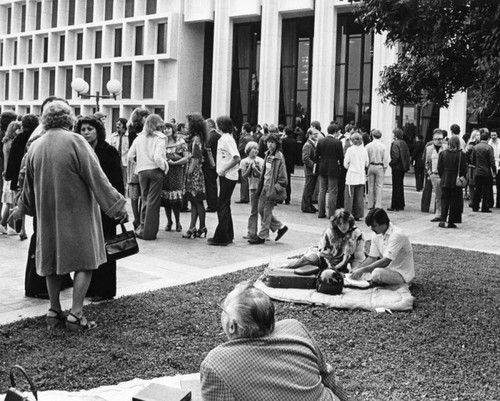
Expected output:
(286, 365)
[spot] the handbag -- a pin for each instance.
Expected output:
(461, 182)
(121, 245)
(13, 394)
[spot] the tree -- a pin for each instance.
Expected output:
(444, 47)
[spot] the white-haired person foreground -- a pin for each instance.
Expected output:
(264, 359)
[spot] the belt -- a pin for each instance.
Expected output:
(377, 164)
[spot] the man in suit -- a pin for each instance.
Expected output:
(209, 170)
(289, 146)
(330, 157)
(400, 164)
(483, 159)
(311, 176)
(417, 159)
(432, 152)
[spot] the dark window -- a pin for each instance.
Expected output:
(62, 42)
(108, 10)
(69, 78)
(98, 44)
(148, 86)
(36, 84)
(90, 11)
(79, 46)
(160, 111)
(71, 12)
(118, 42)
(23, 18)
(54, 13)
(129, 8)
(77, 111)
(162, 38)
(7, 78)
(139, 40)
(15, 52)
(127, 81)
(150, 7)
(38, 21)
(87, 76)
(1, 54)
(115, 114)
(9, 19)
(106, 76)
(21, 85)
(52, 82)
(45, 49)
(30, 51)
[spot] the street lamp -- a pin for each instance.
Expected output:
(81, 87)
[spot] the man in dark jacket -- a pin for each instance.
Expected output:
(311, 176)
(400, 164)
(209, 168)
(330, 158)
(289, 145)
(484, 160)
(417, 160)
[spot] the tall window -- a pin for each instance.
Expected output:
(89, 11)
(106, 76)
(36, 84)
(118, 42)
(71, 12)
(148, 85)
(7, 83)
(108, 10)
(62, 43)
(245, 74)
(353, 73)
(127, 81)
(98, 44)
(162, 38)
(15, 52)
(21, 85)
(296, 67)
(129, 8)
(38, 19)
(79, 45)
(45, 49)
(30, 51)
(87, 76)
(52, 82)
(150, 7)
(54, 13)
(1, 53)
(69, 78)
(9, 20)
(23, 18)
(139, 40)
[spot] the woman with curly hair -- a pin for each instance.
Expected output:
(195, 182)
(134, 127)
(103, 283)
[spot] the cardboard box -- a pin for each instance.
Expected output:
(158, 392)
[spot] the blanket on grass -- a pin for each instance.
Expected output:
(395, 298)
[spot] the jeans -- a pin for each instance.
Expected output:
(332, 184)
(436, 186)
(375, 186)
(353, 200)
(224, 232)
(307, 194)
(244, 189)
(253, 220)
(268, 220)
(151, 183)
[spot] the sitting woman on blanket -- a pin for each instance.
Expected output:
(341, 246)
(257, 361)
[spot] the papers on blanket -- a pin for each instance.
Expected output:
(349, 282)
(383, 310)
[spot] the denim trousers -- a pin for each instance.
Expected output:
(332, 184)
(268, 220)
(436, 186)
(224, 231)
(151, 183)
(353, 200)
(253, 220)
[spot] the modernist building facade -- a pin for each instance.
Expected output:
(274, 61)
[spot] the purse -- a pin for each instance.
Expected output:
(121, 245)
(13, 394)
(461, 182)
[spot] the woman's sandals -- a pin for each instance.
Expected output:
(78, 324)
(56, 321)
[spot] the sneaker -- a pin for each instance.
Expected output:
(3, 230)
(282, 231)
(436, 219)
(256, 241)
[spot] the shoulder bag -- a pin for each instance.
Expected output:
(461, 181)
(121, 245)
(13, 394)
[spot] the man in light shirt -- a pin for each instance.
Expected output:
(119, 140)
(378, 158)
(494, 142)
(390, 260)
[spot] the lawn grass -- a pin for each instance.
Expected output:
(446, 349)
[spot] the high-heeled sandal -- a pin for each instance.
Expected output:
(168, 227)
(55, 322)
(190, 233)
(77, 325)
(178, 228)
(202, 231)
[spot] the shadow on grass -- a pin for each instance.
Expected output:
(446, 348)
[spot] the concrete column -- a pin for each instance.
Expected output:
(456, 113)
(223, 51)
(383, 114)
(323, 71)
(270, 56)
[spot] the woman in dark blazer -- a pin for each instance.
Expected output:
(103, 283)
(451, 162)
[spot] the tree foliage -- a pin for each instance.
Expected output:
(444, 46)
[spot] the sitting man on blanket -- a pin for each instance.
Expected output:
(263, 360)
(390, 260)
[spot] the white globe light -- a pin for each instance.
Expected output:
(114, 86)
(79, 85)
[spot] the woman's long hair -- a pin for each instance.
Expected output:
(94, 122)
(153, 123)
(197, 126)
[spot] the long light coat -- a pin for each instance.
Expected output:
(64, 188)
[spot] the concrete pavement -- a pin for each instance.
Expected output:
(172, 260)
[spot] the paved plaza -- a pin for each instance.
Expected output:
(172, 260)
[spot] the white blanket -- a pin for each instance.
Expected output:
(396, 298)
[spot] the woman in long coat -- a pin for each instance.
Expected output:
(103, 283)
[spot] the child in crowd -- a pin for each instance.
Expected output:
(251, 168)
